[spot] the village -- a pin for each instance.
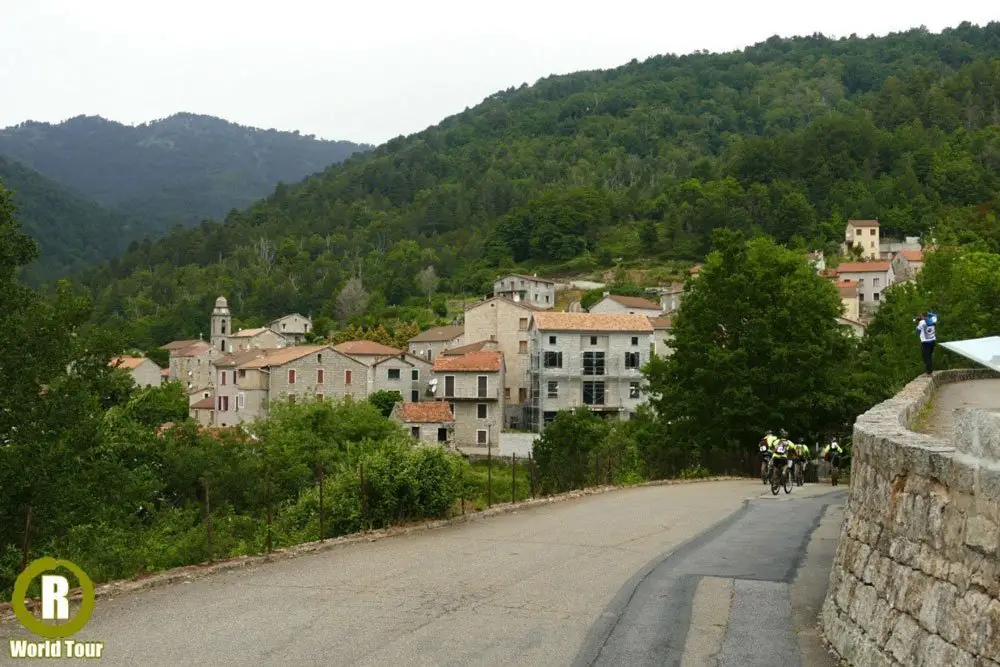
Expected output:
(492, 381)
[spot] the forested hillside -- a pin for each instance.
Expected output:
(789, 137)
(73, 231)
(180, 169)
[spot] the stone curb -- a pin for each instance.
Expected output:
(192, 572)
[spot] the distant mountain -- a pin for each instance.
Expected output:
(73, 231)
(178, 170)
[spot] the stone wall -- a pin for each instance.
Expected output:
(916, 579)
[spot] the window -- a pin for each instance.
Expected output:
(481, 437)
(546, 298)
(415, 374)
(871, 232)
(283, 326)
(393, 373)
(243, 373)
(506, 393)
(593, 393)
(415, 432)
(522, 347)
(223, 331)
(481, 411)
(553, 389)
(553, 360)
(319, 358)
(876, 296)
(320, 376)
(482, 386)
(222, 378)
(861, 282)
(291, 376)
(593, 340)
(442, 435)
(414, 396)
(241, 400)
(319, 397)
(536, 298)
(861, 297)
(635, 340)
(225, 404)
(291, 400)
(220, 404)
(522, 324)
(449, 386)
(593, 363)
(632, 360)
(522, 395)
(548, 417)
(874, 282)
(552, 340)
(347, 377)
(633, 390)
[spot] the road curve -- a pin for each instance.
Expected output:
(528, 588)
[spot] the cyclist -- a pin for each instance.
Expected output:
(832, 453)
(803, 458)
(766, 447)
(782, 450)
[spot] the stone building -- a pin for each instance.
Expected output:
(662, 336)
(145, 372)
(472, 383)
(535, 291)
(430, 423)
(428, 344)
(632, 305)
(863, 235)
(292, 327)
(872, 279)
(389, 369)
(587, 359)
(191, 363)
(257, 339)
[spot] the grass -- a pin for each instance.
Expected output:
(477, 482)
(923, 418)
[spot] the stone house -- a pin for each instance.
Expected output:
(428, 344)
(191, 363)
(906, 263)
(864, 235)
(472, 384)
(587, 359)
(203, 411)
(662, 336)
(849, 299)
(430, 423)
(387, 369)
(257, 339)
(200, 394)
(145, 372)
(532, 290)
(670, 297)
(506, 322)
(632, 305)
(872, 279)
(890, 246)
(292, 327)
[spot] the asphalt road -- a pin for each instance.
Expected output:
(545, 586)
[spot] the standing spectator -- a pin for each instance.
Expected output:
(927, 328)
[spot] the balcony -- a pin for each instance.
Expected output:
(468, 394)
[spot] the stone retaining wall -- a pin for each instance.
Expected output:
(916, 579)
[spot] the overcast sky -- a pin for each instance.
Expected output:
(369, 70)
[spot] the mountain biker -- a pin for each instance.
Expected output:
(802, 457)
(832, 453)
(766, 447)
(781, 452)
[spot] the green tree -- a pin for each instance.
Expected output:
(385, 400)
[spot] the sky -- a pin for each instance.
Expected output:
(370, 70)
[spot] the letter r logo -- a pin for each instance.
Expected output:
(55, 606)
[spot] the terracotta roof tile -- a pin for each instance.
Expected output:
(592, 322)
(464, 349)
(430, 412)
(439, 334)
(240, 358)
(483, 361)
(863, 223)
(193, 350)
(828, 273)
(848, 288)
(204, 404)
(863, 267)
(634, 302)
(249, 333)
(913, 255)
(366, 347)
(283, 356)
(131, 363)
(660, 322)
(179, 344)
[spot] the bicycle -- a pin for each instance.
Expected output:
(765, 464)
(799, 473)
(780, 480)
(834, 469)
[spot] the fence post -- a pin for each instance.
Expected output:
(270, 512)
(597, 469)
(513, 478)
(364, 495)
(463, 488)
(27, 540)
(208, 516)
(489, 474)
(319, 475)
(531, 473)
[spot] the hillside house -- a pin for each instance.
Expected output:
(587, 359)
(872, 279)
(849, 299)
(670, 297)
(662, 336)
(292, 327)
(889, 246)
(631, 305)
(906, 264)
(863, 235)
(203, 411)
(387, 369)
(506, 322)
(200, 394)
(191, 363)
(257, 339)
(145, 372)
(431, 423)
(428, 344)
(855, 327)
(538, 292)
(472, 384)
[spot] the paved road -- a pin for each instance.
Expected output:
(530, 588)
(950, 397)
